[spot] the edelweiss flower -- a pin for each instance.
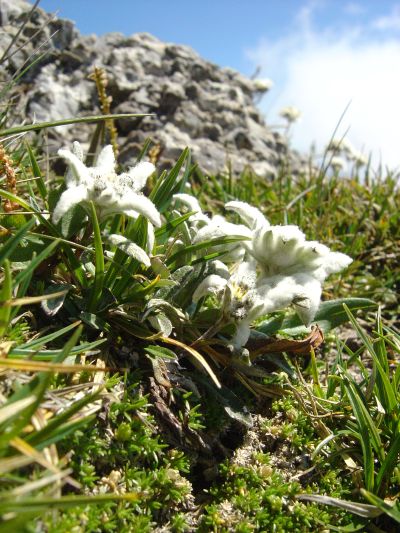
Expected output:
(292, 269)
(112, 193)
(340, 145)
(290, 113)
(241, 301)
(246, 298)
(263, 85)
(337, 163)
(283, 250)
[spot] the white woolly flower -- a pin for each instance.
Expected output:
(360, 160)
(284, 250)
(293, 269)
(112, 193)
(241, 302)
(290, 113)
(337, 163)
(263, 85)
(301, 290)
(338, 145)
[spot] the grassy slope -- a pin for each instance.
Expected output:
(120, 450)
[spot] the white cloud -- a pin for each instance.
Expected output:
(389, 22)
(321, 71)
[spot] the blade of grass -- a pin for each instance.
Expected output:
(37, 173)
(391, 510)
(196, 355)
(67, 121)
(5, 295)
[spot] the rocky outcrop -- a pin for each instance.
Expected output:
(192, 101)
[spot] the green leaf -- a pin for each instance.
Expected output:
(73, 221)
(391, 510)
(160, 352)
(219, 241)
(36, 387)
(360, 509)
(27, 505)
(169, 184)
(37, 173)
(389, 464)
(36, 262)
(12, 243)
(52, 306)
(5, 295)
(169, 227)
(386, 394)
(368, 432)
(330, 315)
(36, 344)
(94, 321)
(49, 434)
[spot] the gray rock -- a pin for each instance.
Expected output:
(192, 102)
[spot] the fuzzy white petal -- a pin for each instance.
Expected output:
(245, 275)
(70, 197)
(219, 227)
(70, 176)
(219, 268)
(307, 300)
(302, 290)
(336, 262)
(192, 204)
(105, 163)
(150, 237)
(189, 201)
(130, 248)
(140, 174)
(140, 204)
(242, 334)
(82, 172)
(212, 284)
(250, 215)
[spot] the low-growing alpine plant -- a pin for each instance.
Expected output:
(253, 268)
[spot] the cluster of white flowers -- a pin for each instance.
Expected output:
(265, 269)
(290, 113)
(263, 85)
(337, 163)
(273, 267)
(347, 150)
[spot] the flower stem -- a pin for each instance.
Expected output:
(99, 262)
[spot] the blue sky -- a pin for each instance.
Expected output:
(320, 54)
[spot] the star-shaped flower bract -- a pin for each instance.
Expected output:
(110, 192)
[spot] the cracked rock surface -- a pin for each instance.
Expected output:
(193, 102)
